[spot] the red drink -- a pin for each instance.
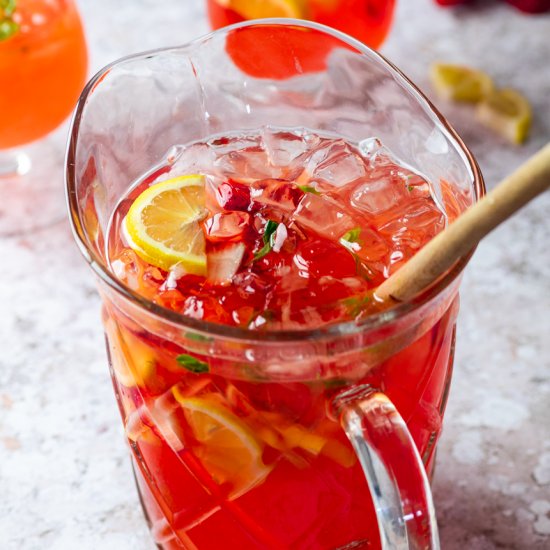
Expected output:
(298, 231)
(366, 20)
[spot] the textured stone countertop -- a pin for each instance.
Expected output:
(65, 478)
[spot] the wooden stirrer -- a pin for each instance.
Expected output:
(463, 234)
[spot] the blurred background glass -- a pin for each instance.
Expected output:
(43, 64)
(367, 20)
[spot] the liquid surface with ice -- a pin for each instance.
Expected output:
(304, 227)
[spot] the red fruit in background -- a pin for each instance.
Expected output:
(526, 6)
(531, 6)
(452, 2)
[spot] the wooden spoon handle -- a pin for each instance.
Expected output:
(463, 234)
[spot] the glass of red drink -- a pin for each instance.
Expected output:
(268, 400)
(367, 20)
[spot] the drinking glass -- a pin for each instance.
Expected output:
(367, 20)
(43, 65)
(318, 438)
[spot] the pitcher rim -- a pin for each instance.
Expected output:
(371, 322)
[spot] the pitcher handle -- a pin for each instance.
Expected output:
(395, 473)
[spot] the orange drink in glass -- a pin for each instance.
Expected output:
(43, 64)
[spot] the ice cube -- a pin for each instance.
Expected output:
(283, 147)
(377, 195)
(197, 158)
(408, 228)
(335, 162)
(279, 193)
(369, 146)
(322, 215)
(226, 144)
(247, 163)
(241, 157)
(371, 246)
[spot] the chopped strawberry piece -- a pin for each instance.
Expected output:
(233, 195)
(279, 193)
(227, 226)
(224, 262)
(323, 257)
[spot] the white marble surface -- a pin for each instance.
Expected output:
(65, 480)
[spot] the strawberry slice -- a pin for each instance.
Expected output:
(233, 195)
(227, 226)
(224, 262)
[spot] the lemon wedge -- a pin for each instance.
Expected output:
(226, 445)
(131, 359)
(163, 224)
(508, 113)
(258, 9)
(459, 83)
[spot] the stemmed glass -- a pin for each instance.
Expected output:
(43, 65)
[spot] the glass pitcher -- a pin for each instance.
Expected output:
(299, 439)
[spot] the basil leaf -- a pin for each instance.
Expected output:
(308, 189)
(192, 364)
(352, 236)
(355, 305)
(8, 7)
(7, 29)
(270, 228)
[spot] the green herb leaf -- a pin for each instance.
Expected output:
(192, 364)
(197, 337)
(266, 249)
(8, 7)
(7, 29)
(308, 189)
(356, 304)
(352, 236)
(270, 228)
(410, 188)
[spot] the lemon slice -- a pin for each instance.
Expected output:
(227, 447)
(460, 83)
(132, 360)
(162, 225)
(258, 9)
(507, 112)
